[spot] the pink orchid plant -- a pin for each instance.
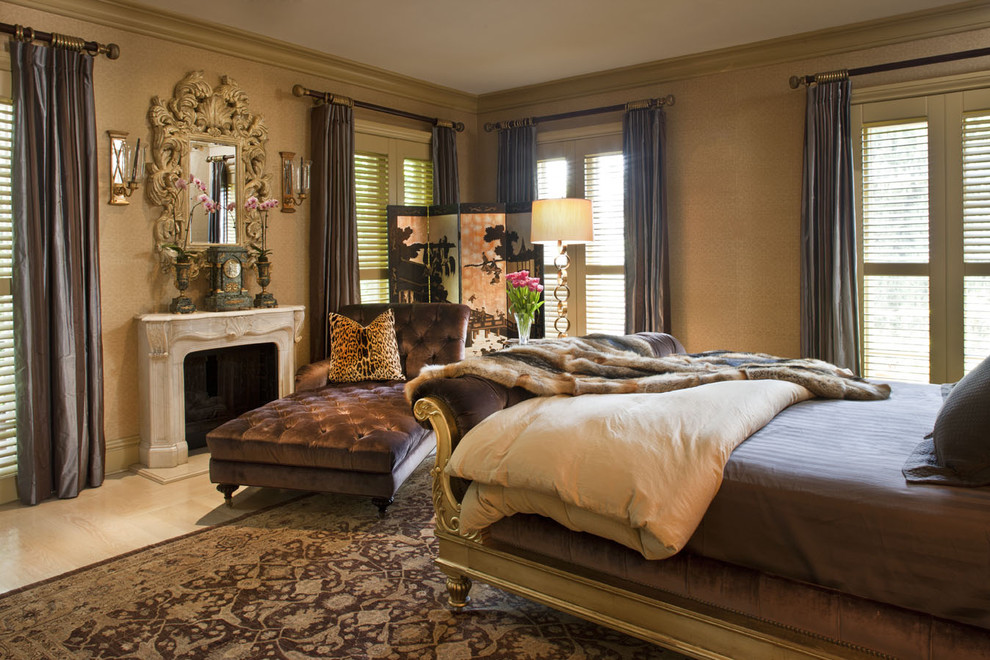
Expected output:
(264, 207)
(178, 249)
(524, 295)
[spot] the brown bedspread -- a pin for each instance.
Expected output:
(817, 495)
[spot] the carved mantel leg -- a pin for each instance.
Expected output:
(458, 587)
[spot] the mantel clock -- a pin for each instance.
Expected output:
(227, 292)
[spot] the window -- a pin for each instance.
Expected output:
(8, 427)
(391, 166)
(895, 250)
(596, 276)
(924, 180)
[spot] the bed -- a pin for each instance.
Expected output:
(814, 546)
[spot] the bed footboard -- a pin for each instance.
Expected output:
(697, 629)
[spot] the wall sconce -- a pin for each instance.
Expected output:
(126, 167)
(295, 179)
(561, 221)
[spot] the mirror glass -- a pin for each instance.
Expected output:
(215, 164)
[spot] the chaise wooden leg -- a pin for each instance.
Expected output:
(458, 587)
(227, 490)
(382, 503)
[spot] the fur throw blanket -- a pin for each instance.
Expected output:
(604, 364)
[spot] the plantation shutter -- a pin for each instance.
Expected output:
(417, 182)
(605, 257)
(371, 198)
(976, 238)
(551, 183)
(8, 439)
(896, 316)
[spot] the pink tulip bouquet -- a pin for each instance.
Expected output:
(524, 300)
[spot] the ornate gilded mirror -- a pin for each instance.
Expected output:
(208, 141)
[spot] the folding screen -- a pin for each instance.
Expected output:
(423, 254)
(462, 254)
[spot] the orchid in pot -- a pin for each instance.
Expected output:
(263, 266)
(178, 249)
(524, 299)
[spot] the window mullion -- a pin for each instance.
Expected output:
(946, 113)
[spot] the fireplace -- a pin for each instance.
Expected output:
(165, 341)
(222, 383)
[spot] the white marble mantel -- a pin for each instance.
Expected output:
(164, 341)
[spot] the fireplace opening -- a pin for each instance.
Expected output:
(222, 383)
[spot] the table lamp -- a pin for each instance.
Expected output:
(561, 221)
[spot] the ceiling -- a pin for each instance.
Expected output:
(480, 46)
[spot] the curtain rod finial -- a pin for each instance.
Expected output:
(113, 51)
(795, 82)
(298, 90)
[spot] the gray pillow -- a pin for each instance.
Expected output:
(957, 452)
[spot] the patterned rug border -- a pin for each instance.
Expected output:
(145, 548)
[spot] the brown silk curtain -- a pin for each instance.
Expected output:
(334, 278)
(829, 281)
(644, 140)
(446, 185)
(516, 177)
(56, 275)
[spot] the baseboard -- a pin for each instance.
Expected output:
(122, 453)
(8, 489)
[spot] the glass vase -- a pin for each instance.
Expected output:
(523, 323)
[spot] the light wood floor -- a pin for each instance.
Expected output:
(127, 512)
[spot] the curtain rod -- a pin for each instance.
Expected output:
(528, 121)
(327, 97)
(94, 48)
(797, 81)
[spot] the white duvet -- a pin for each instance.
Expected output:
(639, 469)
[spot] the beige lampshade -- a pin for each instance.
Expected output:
(567, 220)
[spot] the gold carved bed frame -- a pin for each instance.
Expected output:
(696, 629)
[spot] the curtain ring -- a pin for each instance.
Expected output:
(67, 42)
(831, 76)
(22, 33)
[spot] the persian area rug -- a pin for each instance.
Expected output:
(317, 577)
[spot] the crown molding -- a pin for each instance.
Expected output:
(189, 31)
(953, 19)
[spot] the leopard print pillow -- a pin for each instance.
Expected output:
(364, 353)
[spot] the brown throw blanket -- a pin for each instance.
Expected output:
(603, 364)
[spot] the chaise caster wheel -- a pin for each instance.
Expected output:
(382, 503)
(227, 490)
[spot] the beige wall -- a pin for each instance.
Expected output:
(734, 167)
(131, 283)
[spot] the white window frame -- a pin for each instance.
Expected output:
(573, 145)
(8, 484)
(942, 102)
(397, 144)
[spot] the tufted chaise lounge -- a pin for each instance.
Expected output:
(351, 438)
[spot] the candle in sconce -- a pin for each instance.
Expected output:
(137, 154)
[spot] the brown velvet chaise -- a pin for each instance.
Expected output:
(351, 438)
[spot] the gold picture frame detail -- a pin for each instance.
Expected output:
(199, 112)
